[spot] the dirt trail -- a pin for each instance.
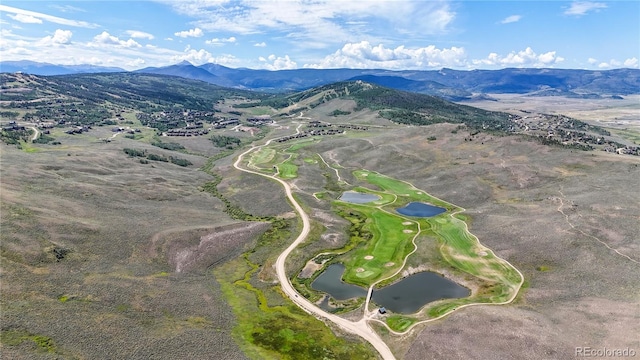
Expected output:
(360, 328)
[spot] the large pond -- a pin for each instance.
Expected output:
(413, 292)
(404, 297)
(420, 209)
(358, 198)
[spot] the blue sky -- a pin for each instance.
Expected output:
(291, 34)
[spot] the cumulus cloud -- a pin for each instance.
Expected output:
(260, 44)
(579, 8)
(273, 62)
(524, 58)
(631, 63)
(197, 32)
(33, 16)
(511, 19)
(364, 55)
(613, 63)
(107, 39)
(27, 19)
(136, 63)
(592, 61)
(199, 57)
(220, 42)
(135, 34)
(59, 37)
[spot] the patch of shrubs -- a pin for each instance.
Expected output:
(168, 146)
(225, 141)
(155, 157)
(339, 112)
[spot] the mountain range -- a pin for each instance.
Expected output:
(450, 84)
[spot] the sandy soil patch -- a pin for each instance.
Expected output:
(309, 269)
(407, 231)
(359, 270)
(368, 257)
(389, 264)
(407, 223)
(482, 253)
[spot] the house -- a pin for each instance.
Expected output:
(382, 310)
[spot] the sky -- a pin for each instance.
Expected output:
(294, 34)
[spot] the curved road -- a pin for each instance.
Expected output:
(360, 327)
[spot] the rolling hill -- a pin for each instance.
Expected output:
(447, 83)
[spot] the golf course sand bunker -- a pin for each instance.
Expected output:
(368, 257)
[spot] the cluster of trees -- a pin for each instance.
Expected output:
(168, 146)
(14, 137)
(155, 157)
(339, 112)
(225, 141)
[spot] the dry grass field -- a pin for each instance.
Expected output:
(555, 214)
(89, 244)
(106, 257)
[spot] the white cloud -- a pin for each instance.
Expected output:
(220, 42)
(107, 39)
(592, 61)
(364, 55)
(135, 34)
(197, 32)
(321, 23)
(199, 57)
(511, 19)
(27, 19)
(278, 63)
(67, 8)
(60, 37)
(524, 58)
(50, 18)
(136, 63)
(631, 63)
(260, 44)
(579, 8)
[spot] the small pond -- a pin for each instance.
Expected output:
(358, 198)
(330, 281)
(420, 209)
(404, 297)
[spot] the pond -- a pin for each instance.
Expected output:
(330, 281)
(413, 292)
(358, 198)
(419, 209)
(404, 297)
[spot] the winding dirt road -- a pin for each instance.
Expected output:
(360, 327)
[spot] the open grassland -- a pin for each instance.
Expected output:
(104, 256)
(90, 242)
(543, 209)
(87, 235)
